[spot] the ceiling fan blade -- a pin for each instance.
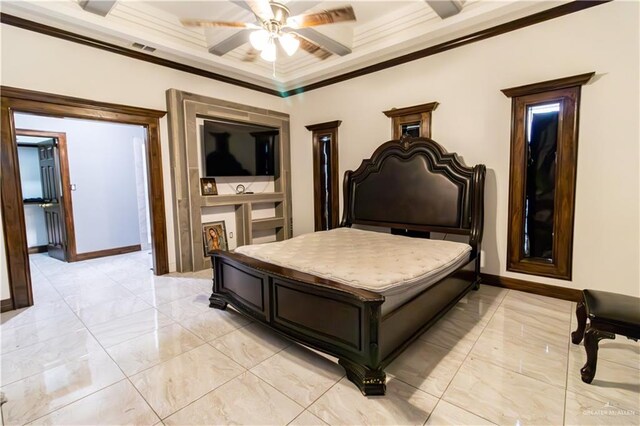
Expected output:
(324, 17)
(215, 24)
(230, 43)
(298, 7)
(320, 39)
(311, 47)
(260, 8)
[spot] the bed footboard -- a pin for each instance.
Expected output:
(336, 319)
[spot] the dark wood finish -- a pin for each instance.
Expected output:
(548, 290)
(560, 263)
(135, 54)
(556, 12)
(6, 305)
(37, 249)
(94, 109)
(108, 252)
(536, 18)
(549, 85)
(581, 316)
(609, 314)
(33, 102)
(320, 193)
(13, 226)
(591, 339)
(298, 305)
(417, 113)
(66, 199)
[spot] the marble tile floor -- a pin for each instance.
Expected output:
(109, 343)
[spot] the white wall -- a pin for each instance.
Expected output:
(473, 119)
(102, 168)
(38, 62)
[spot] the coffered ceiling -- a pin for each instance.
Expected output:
(383, 30)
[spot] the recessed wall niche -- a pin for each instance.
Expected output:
(187, 112)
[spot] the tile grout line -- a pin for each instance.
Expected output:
(465, 360)
(566, 376)
(98, 390)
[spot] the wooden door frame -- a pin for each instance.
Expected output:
(52, 105)
(65, 183)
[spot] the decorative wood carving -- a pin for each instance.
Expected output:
(297, 304)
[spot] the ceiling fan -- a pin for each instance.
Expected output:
(275, 23)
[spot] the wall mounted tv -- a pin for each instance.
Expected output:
(238, 149)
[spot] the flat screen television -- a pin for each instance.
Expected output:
(239, 149)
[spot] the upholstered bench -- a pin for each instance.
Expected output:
(609, 314)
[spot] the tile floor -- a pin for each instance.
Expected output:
(109, 343)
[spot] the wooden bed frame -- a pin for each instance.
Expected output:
(412, 186)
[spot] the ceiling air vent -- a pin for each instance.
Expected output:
(143, 47)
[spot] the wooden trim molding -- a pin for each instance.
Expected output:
(108, 252)
(324, 126)
(65, 179)
(320, 196)
(548, 290)
(27, 101)
(549, 85)
(416, 109)
(6, 305)
(97, 106)
(556, 12)
(102, 45)
(37, 249)
(555, 231)
(417, 113)
(536, 18)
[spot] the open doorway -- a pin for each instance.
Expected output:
(19, 102)
(44, 179)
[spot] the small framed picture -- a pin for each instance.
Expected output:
(208, 186)
(214, 237)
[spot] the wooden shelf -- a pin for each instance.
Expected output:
(231, 199)
(268, 223)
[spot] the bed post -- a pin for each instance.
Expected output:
(369, 377)
(477, 218)
(215, 301)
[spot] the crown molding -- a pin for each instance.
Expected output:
(545, 86)
(556, 12)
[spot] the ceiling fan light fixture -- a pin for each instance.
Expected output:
(289, 43)
(259, 39)
(269, 51)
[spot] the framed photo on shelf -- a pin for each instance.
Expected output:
(214, 237)
(208, 186)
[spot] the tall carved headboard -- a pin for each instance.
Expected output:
(414, 184)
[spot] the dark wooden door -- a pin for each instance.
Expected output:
(51, 193)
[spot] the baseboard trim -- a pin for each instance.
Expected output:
(37, 249)
(549, 290)
(105, 253)
(6, 305)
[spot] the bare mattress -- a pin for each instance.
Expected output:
(395, 266)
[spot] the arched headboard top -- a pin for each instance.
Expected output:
(415, 184)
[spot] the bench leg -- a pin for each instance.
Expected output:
(591, 339)
(581, 315)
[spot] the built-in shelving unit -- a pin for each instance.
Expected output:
(185, 109)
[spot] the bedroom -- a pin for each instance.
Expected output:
(473, 118)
